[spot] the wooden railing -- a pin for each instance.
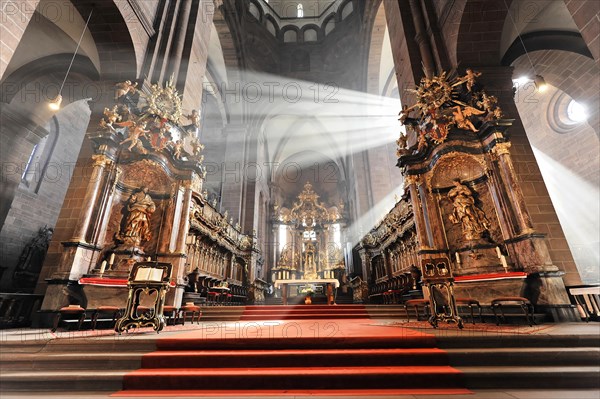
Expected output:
(587, 299)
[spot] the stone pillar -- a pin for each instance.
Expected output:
(420, 225)
(513, 188)
(91, 197)
(184, 219)
(232, 171)
(422, 38)
(536, 202)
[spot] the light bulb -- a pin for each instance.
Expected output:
(540, 83)
(55, 103)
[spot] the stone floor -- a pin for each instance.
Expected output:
(13, 337)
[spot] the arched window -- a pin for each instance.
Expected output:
(37, 164)
(300, 10)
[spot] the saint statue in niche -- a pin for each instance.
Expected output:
(472, 219)
(140, 208)
(310, 266)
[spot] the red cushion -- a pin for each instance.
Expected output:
(107, 308)
(189, 308)
(469, 301)
(72, 309)
(510, 299)
(169, 308)
(417, 301)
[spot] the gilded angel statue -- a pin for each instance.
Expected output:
(125, 88)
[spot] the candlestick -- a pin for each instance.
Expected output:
(457, 256)
(103, 267)
(498, 253)
(149, 259)
(111, 260)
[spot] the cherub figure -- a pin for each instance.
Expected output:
(461, 117)
(194, 117)
(422, 144)
(111, 117)
(404, 114)
(178, 149)
(160, 139)
(197, 147)
(469, 79)
(489, 104)
(125, 88)
(402, 143)
(136, 131)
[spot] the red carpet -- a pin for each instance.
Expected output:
(295, 357)
(304, 312)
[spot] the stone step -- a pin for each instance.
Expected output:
(487, 357)
(62, 380)
(71, 361)
(511, 377)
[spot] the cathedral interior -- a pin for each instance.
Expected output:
(289, 161)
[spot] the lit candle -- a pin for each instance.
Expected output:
(504, 264)
(498, 253)
(103, 267)
(111, 260)
(457, 256)
(149, 259)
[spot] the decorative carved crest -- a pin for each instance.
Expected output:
(444, 103)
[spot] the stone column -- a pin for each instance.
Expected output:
(184, 219)
(420, 226)
(232, 171)
(422, 38)
(513, 188)
(91, 197)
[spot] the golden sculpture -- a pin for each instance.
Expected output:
(136, 131)
(111, 117)
(125, 88)
(310, 265)
(194, 117)
(469, 79)
(140, 208)
(472, 219)
(442, 103)
(165, 102)
(461, 117)
(308, 211)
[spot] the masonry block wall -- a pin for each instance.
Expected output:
(39, 204)
(569, 177)
(14, 18)
(586, 14)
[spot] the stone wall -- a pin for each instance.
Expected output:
(38, 204)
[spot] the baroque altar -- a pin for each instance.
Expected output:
(463, 202)
(305, 235)
(145, 202)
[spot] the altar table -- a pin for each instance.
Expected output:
(331, 283)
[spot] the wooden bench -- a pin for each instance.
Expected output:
(470, 303)
(69, 311)
(416, 303)
(523, 303)
(114, 311)
(190, 309)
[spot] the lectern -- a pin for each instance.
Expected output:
(150, 279)
(437, 276)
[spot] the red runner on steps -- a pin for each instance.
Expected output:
(295, 357)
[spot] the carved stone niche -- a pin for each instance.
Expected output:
(476, 251)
